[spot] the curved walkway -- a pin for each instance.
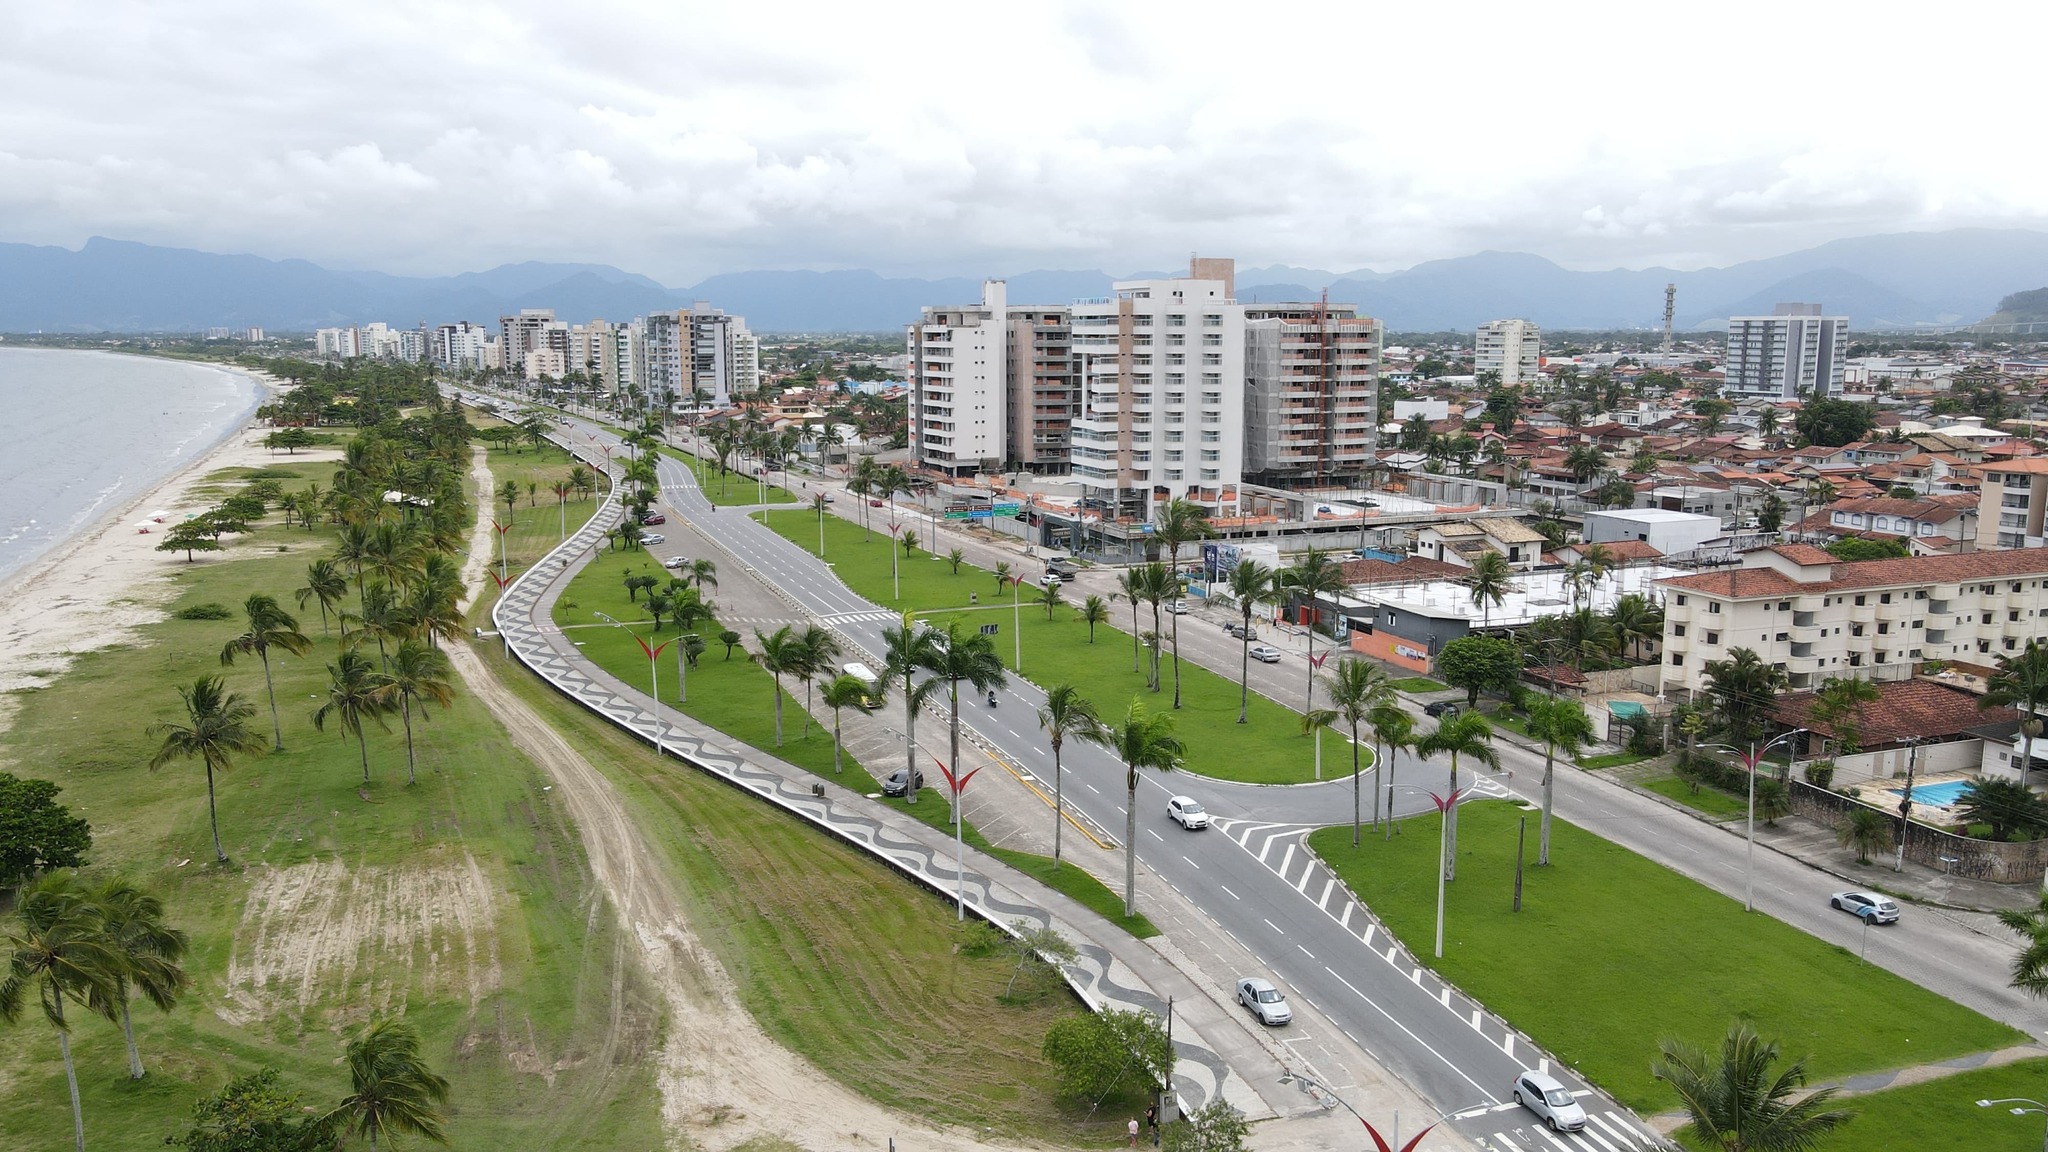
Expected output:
(1113, 969)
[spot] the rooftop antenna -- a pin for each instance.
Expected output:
(1670, 296)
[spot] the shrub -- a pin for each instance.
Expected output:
(1820, 773)
(204, 612)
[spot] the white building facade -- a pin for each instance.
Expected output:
(1792, 351)
(959, 393)
(1513, 348)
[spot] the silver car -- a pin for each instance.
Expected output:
(1266, 654)
(1550, 1101)
(1187, 812)
(1264, 1000)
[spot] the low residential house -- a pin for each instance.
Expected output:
(1950, 517)
(1461, 543)
(1925, 724)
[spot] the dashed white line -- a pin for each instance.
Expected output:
(1191, 863)
(1227, 891)
(1306, 952)
(1155, 835)
(1273, 926)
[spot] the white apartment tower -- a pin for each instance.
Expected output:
(959, 395)
(1792, 351)
(531, 330)
(1513, 348)
(699, 348)
(459, 345)
(1311, 393)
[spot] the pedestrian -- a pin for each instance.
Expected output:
(1152, 1122)
(1134, 1131)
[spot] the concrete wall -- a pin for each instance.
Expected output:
(1890, 764)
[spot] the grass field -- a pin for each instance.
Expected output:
(1419, 684)
(1270, 749)
(1942, 1115)
(1709, 799)
(735, 486)
(1611, 760)
(1570, 968)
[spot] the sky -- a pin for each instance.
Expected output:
(684, 139)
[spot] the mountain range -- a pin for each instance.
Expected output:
(1893, 281)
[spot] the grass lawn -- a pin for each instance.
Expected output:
(1419, 684)
(734, 487)
(1942, 1115)
(1611, 760)
(1709, 799)
(1070, 880)
(1270, 749)
(1611, 952)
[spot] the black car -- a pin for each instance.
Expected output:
(894, 785)
(1441, 709)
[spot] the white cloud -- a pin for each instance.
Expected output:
(685, 140)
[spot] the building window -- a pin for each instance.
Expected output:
(1677, 659)
(1681, 601)
(1678, 630)
(1713, 607)
(1713, 637)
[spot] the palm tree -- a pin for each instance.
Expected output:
(1743, 685)
(394, 1090)
(700, 572)
(1177, 523)
(1584, 461)
(1490, 581)
(132, 926)
(1156, 584)
(215, 732)
(1251, 584)
(1141, 740)
(325, 583)
(820, 649)
(352, 697)
(970, 657)
(906, 650)
(845, 692)
(1066, 713)
(383, 619)
(419, 674)
(782, 652)
(1393, 729)
(1355, 689)
(1051, 598)
(2030, 967)
(1867, 829)
(269, 627)
(1839, 705)
(60, 952)
(1466, 734)
(1094, 610)
(1131, 592)
(1002, 574)
(1560, 724)
(1636, 619)
(1736, 1104)
(2021, 682)
(1311, 578)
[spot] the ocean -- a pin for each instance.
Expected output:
(83, 433)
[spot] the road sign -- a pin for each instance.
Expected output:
(989, 629)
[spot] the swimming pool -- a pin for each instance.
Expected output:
(1942, 795)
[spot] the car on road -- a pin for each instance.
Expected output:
(1869, 906)
(1187, 812)
(654, 518)
(1241, 632)
(1052, 580)
(1550, 1101)
(874, 503)
(675, 562)
(1178, 607)
(653, 538)
(895, 784)
(1441, 709)
(1264, 1000)
(1266, 654)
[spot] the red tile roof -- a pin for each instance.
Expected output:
(1747, 583)
(1903, 708)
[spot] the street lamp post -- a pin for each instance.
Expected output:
(653, 673)
(1444, 805)
(2035, 1107)
(1017, 618)
(1749, 761)
(958, 786)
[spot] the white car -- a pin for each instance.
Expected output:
(1187, 812)
(675, 562)
(1868, 906)
(1550, 1101)
(1178, 608)
(653, 538)
(1264, 1000)
(1051, 580)
(1266, 654)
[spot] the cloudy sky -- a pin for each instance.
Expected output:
(681, 139)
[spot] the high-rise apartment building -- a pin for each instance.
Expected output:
(2012, 504)
(1311, 394)
(1513, 348)
(533, 328)
(699, 349)
(1792, 351)
(460, 345)
(959, 391)
(1044, 392)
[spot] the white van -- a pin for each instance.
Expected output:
(867, 676)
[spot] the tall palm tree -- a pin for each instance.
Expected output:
(906, 651)
(1156, 584)
(782, 652)
(419, 676)
(393, 1090)
(1178, 523)
(132, 924)
(351, 551)
(1311, 578)
(1737, 1104)
(2030, 966)
(847, 692)
(1560, 724)
(1636, 619)
(964, 656)
(2021, 682)
(382, 619)
(1141, 740)
(1130, 590)
(326, 584)
(352, 697)
(1489, 581)
(60, 952)
(820, 649)
(1251, 584)
(1066, 713)
(1356, 688)
(1466, 734)
(1094, 610)
(1393, 730)
(1743, 685)
(269, 627)
(430, 608)
(215, 732)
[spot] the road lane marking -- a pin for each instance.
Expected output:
(1155, 835)
(1273, 926)
(1310, 955)
(1425, 1045)
(1191, 863)
(1227, 891)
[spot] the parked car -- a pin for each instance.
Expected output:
(1264, 1000)
(653, 538)
(1441, 709)
(1187, 812)
(1265, 654)
(895, 785)
(1240, 631)
(675, 562)
(654, 518)
(1178, 607)
(1550, 1101)
(1866, 905)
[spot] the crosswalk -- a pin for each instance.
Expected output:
(866, 616)
(1605, 1131)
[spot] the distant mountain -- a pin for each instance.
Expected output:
(2029, 307)
(1891, 281)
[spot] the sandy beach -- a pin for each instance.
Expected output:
(96, 589)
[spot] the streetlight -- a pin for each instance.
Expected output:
(2037, 1108)
(1017, 618)
(653, 673)
(958, 786)
(1309, 1083)
(1444, 804)
(1750, 762)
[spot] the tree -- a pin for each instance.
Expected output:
(1095, 1055)
(2030, 966)
(255, 1114)
(782, 652)
(1489, 581)
(1852, 549)
(1355, 689)
(730, 639)
(1615, 492)
(1742, 686)
(1560, 724)
(1867, 829)
(1839, 705)
(1312, 578)
(1050, 597)
(60, 952)
(147, 952)
(970, 657)
(393, 1089)
(215, 732)
(1584, 461)
(1833, 423)
(1773, 799)
(1468, 736)
(1479, 663)
(326, 584)
(909, 541)
(418, 677)
(845, 692)
(1156, 585)
(1393, 729)
(955, 557)
(352, 697)
(1066, 713)
(906, 651)
(820, 649)
(1251, 584)
(1002, 574)
(1176, 524)
(2020, 682)
(37, 834)
(1737, 1104)
(508, 494)
(1217, 1127)
(269, 627)
(1140, 740)
(1636, 619)
(189, 537)
(2008, 806)
(1131, 591)
(1770, 514)
(1041, 949)
(1094, 610)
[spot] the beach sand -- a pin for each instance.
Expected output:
(98, 588)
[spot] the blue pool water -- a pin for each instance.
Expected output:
(1944, 794)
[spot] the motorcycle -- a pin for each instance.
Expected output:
(991, 699)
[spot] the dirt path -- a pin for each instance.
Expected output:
(723, 1081)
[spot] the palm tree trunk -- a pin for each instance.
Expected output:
(838, 766)
(778, 710)
(1451, 826)
(213, 818)
(954, 750)
(1155, 685)
(1059, 810)
(1244, 673)
(1357, 787)
(1310, 704)
(128, 1032)
(412, 775)
(1379, 757)
(70, 1075)
(909, 742)
(1134, 635)
(1131, 844)
(809, 701)
(1543, 836)
(276, 729)
(363, 746)
(1391, 825)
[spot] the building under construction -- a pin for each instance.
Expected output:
(1311, 395)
